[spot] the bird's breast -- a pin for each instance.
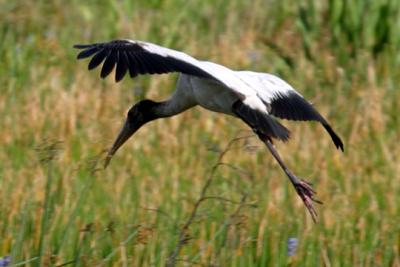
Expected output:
(212, 95)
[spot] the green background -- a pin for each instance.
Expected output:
(58, 207)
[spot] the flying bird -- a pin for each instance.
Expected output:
(255, 98)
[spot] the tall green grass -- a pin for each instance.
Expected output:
(58, 207)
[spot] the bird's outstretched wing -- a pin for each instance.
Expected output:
(284, 102)
(138, 57)
(293, 106)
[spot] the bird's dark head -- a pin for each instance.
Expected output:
(138, 115)
(142, 112)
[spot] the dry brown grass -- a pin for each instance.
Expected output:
(49, 95)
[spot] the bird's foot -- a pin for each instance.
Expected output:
(307, 194)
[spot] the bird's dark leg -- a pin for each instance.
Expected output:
(303, 188)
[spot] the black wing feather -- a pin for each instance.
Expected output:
(132, 56)
(81, 46)
(122, 66)
(131, 67)
(262, 124)
(292, 106)
(109, 63)
(87, 52)
(134, 69)
(149, 62)
(98, 58)
(143, 69)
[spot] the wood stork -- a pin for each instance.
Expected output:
(255, 98)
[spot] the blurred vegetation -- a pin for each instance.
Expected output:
(59, 208)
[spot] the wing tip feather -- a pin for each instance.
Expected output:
(82, 46)
(335, 138)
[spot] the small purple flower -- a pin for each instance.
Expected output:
(5, 261)
(292, 244)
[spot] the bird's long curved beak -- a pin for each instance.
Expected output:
(126, 132)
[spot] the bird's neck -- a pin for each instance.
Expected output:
(170, 108)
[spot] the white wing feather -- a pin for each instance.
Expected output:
(226, 76)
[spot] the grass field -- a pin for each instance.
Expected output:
(58, 207)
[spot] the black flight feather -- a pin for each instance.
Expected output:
(122, 66)
(109, 63)
(87, 52)
(137, 59)
(292, 106)
(98, 58)
(262, 124)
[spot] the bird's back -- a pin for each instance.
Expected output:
(267, 86)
